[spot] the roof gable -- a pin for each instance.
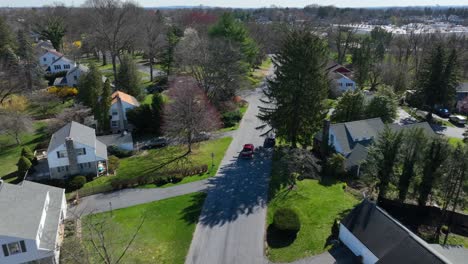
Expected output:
(363, 130)
(78, 132)
(124, 98)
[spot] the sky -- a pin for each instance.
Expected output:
(248, 3)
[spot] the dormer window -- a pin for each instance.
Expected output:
(14, 248)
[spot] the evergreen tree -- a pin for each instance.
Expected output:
(297, 93)
(435, 156)
(90, 88)
(128, 77)
(382, 159)
(350, 107)
(413, 143)
(24, 164)
(173, 37)
(438, 79)
(382, 106)
(27, 153)
(26, 53)
(229, 28)
(104, 107)
(157, 108)
(54, 30)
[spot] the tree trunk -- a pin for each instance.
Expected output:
(18, 141)
(151, 69)
(114, 66)
(104, 59)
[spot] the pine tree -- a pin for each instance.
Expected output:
(104, 107)
(157, 108)
(438, 79)
(413, 144)
(128, 77)
(297, 93)
(26, 53)
(173, 36)
(90, 88)
(27, 153)
(435, 156)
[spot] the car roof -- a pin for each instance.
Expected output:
(248, 146)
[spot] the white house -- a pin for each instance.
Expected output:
(61, 64)
(74, 74)
(375, 237)
(49, 56)
(74, 150)
(121, 103)
(31, 223)
(342, 82)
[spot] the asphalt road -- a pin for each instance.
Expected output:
(231, 226)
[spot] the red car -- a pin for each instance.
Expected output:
(247, 151)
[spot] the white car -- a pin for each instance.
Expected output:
(458, 119)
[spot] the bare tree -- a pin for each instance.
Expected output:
(116, 23)
(100, 241)
(189, 112)
(14, 123)
(342, 37)
(153, 37)
(77, 113)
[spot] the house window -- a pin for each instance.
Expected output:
(349, 84)
(75, 78)
(89, 164)
(114, 124)
(114, 113)
(58, 67)
(14, 248)
(44, 59)
(80, 151)
(62, 154)
(66, 66)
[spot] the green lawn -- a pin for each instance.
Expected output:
(165, 235)
(49, 109)
(254, 78)
(10, 152)
(317, 206)
(144, 163)
(454, 239)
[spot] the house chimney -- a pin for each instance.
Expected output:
(325, 136)
(72, 159)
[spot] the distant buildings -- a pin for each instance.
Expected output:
(31, 223)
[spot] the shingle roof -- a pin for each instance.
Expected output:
(357, 156)
(386, 238)
(462, 88)
(125, 98)
(62, 58)
(80, 67)
(365, 129)
(53, 51)
(78, 132)
(21, 209)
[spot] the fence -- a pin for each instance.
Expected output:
(414, 216)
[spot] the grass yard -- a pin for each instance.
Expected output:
(165, 235)
(254, 78)
(454, 239)
(10, 152)
(49, 109)
(317, 207)
(139, 165)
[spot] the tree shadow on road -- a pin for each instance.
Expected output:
(191, 213)
(240, 189)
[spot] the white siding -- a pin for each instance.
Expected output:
(47, 59)
(346, 84)
(32, 252)
(55, 162)
(62, 63)
(356, 246)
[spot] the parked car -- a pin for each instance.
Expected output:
(155, 143)
(443, 112)
(458, 120)
(247, 151)
(202, 136)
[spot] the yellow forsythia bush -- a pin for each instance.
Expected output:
(63, 91)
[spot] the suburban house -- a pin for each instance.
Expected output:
(462, 98)
(121, 103)
(342, 83)
(49, 56)
(351, 139)
(61, 64)
(376, 237)
(340, 77)
(31, 229)
(74, 74)
(74, 150)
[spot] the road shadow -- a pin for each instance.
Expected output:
(191, 213)
(240, 189)
(437, 128)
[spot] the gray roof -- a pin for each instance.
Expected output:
(423, 125)
(22, 205)
(386, 238)
(357, 156)
(365, 129)
(79, 133)
(81, 67)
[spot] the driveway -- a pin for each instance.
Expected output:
(231, 226)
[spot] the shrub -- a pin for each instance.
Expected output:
(286, 219)
(335, 166)
(113, 163)
(119, 153)
(63, 91)
(231, 118)
(77, 182)
(24, 164)
(27, 153)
